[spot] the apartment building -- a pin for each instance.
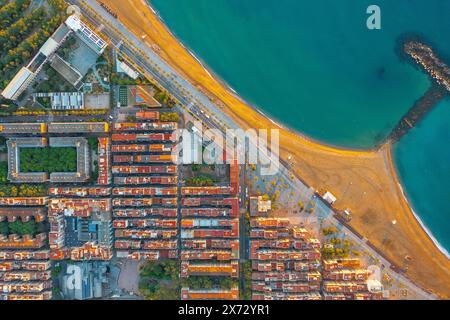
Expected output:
(145, 189)
(24, 260)
(285, 261)
(210, 237)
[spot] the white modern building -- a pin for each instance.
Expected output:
(86, 34)
(23, 79)
(64, 100)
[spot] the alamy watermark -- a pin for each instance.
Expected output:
(374, 20)
(374, 279)
(212, 146)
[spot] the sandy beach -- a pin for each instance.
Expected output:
(366, 182)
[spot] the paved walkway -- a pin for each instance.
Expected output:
(129, 276)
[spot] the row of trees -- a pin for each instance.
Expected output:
(123, 80)
(207, 282)
(22, 190)
(200, 181)
(48, 159)
(92, 112)
(93, 143)
(94, 172)
(246, 292)
(12, 11)
(19, 30)
(164, 98)
(3, 172)
(58, 6)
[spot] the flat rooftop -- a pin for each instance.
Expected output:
(69, 73)
(83, 159)
(21, 128)
(78, 127)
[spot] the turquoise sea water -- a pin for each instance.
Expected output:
(423, 162)
(315, 67)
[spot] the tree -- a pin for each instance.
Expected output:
(19, 30)
(169, 116)
(56, 271)
(4, 228)
(3, 172)
(93, 143)
(48, 159)
(247, 290)
(58, 5)
(329, 231)
(23, 228)
(200, 181)
(11, 11)
(160, 280)
(226, 283)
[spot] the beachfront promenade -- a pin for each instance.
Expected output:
(150, 64)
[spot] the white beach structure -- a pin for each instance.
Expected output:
(329, 197)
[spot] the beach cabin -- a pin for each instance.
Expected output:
(329, 197)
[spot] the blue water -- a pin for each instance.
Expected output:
(315, 67)
(422, 159)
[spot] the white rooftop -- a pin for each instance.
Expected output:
(123, 67)
(73, 22)
(49, 47)
(329, 197)
(15, 84)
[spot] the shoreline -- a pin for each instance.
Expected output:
(387, 142)
(364, 181)
(414, 213)
(219, 79)
(296, 132)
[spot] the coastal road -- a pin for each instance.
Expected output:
(151, 65)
